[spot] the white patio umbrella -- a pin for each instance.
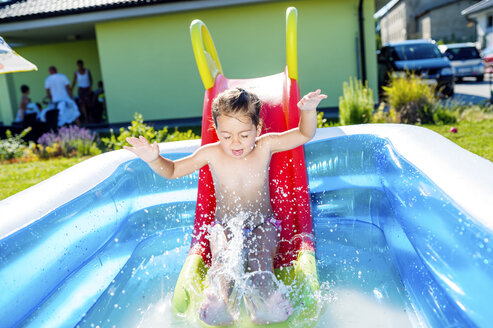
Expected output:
(11, 62)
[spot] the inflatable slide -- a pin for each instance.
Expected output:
(295, 263)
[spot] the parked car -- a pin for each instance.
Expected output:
(421, 57)
(487, 55)
(465, 59)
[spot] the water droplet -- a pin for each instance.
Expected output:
(377, 293)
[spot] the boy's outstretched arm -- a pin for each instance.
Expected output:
(163, 166)
(306, 129)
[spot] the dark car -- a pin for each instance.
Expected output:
(419, 56)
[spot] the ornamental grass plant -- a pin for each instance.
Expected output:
(356, 103)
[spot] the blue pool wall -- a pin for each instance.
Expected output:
(442, 252)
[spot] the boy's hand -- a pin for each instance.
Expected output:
(311, 100)
(143, 149)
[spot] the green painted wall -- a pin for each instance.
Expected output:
(7, 96)
(63, 56)
(148, 64)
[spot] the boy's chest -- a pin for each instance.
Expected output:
(241, 175)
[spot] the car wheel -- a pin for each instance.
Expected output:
(446, 91)
(449, 91)
(480, 78)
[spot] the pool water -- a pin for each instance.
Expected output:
(360, 286)
(392, 249)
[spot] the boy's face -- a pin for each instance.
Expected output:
(237, 135)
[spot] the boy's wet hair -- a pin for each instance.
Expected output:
(237, 101)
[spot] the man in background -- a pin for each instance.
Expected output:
(59, 91)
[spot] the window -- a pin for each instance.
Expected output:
(489, 22)
(462, 53)
(417, 51)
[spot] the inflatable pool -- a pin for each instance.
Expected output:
(402, 222)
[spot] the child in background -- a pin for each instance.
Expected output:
(239, 164)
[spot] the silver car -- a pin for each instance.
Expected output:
(465, 59)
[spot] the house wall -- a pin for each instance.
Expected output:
(484, 32)
(394, 24)
(148, 64)
(438, 19)
(447, 24)
(61, 55)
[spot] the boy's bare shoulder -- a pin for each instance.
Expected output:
(209, 149)
(266, 140)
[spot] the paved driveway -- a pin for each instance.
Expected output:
(470, 91)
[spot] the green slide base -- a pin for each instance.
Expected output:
(301, 277)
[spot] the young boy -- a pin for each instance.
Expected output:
(239, 164)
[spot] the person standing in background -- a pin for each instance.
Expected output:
(57, 86)
(59, 91)
(83, 78)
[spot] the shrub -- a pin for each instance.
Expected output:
(179, 135)
(412, 99)
(356, 103)
(444, 116)
(71, 141)
(325, 123)
(13, 146)
(385, 116)
(321, 121)
(139, 128)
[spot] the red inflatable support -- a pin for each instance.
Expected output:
(287, 172)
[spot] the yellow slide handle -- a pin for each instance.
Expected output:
(205, 53)
(291, 42)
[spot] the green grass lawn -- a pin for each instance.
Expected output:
(19, 176)
(476, 137)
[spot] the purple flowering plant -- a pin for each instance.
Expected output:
(69, 141)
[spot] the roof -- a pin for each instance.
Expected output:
(439, 6)
(385, 9)
(30, 22)
(478, 7)
(18, 10)
(405, 42)
(457, 45)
